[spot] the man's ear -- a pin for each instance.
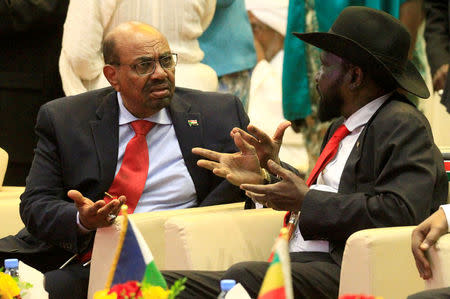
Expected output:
(356, 77)
(111, 73)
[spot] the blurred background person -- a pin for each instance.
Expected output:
(301, 62)
(437, 35)
(229, 49)
(30, 42)
(87, 22)
(268, 20)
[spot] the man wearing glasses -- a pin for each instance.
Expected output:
(90, 145)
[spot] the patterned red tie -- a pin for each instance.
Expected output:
(328, 153)
(132, 175)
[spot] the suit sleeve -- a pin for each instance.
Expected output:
(437, 33)
(45, 209)
(225, 192)
(401, 193)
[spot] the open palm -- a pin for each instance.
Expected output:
(238, 168)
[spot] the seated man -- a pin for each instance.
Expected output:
(379, 168)
(423, 238)
(88, 146)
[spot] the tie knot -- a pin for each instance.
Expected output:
(142, 127)
(341, 132)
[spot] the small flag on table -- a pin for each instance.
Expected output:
(133, 260)
(277, 283)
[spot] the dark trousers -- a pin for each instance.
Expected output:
(71, 282)
(314, 275)
(443, 293)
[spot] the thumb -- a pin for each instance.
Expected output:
(431, 238)
(77, 197)
(279, 133)
(242, 145)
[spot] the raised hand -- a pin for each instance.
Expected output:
(95, 214)
(266, 147)
(285, 195)
(238, 168)
(425, 236)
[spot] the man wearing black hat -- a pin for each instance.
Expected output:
(379, 165)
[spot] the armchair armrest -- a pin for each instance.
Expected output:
(217, 241)
(151, 226)
(439, 256)
(380, 262)
(9, 213)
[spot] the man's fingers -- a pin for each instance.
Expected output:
(260, 135)
(260, 189)
(250, 139)
(278, 170)
(279, 133)
(210, 165)
(242, 145)
(211, 155)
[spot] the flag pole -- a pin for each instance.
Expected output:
(123, 232)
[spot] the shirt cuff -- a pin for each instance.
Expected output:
(83, 229)
(446, 209)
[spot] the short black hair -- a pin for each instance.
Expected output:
(109, 51)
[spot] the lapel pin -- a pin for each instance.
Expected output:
(192, 122)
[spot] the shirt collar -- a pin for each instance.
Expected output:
(161, 117)
(362, 116)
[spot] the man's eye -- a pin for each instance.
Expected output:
(166, 61)
(144, 66)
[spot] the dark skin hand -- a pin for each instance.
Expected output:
(424, 237)
(95, 214)
(285, 195)
(266, 147)
(237, 168)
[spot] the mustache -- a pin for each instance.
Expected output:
(157, 84)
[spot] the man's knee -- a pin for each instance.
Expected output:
(70, 282)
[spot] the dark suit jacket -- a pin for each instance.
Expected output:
(394, 176)
(77, 149)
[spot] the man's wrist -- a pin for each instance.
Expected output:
(266, 176)
(446, 209)
(82, 228)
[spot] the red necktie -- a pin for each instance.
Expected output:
(328, 153)
(132, 175)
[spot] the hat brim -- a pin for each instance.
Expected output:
(409, 78)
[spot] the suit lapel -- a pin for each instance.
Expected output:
(189, 131)
(105, 131)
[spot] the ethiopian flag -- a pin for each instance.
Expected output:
(134, 260)
(277, 283)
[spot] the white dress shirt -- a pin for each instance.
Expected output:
(168, 185)
(330, 177)
(446, 209)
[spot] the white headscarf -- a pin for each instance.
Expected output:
(271, 12)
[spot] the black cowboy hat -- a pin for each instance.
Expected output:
(366, 36)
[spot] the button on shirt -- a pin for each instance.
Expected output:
(168, 185)
(330, 177)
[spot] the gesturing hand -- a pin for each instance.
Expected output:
(266, 147)
(237, 168)
(95, 214)
(285, 195)
(425, 236)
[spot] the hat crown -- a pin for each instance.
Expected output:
(377, 31)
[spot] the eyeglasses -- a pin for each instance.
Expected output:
(148, 67)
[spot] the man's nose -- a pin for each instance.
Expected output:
(159, 71)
